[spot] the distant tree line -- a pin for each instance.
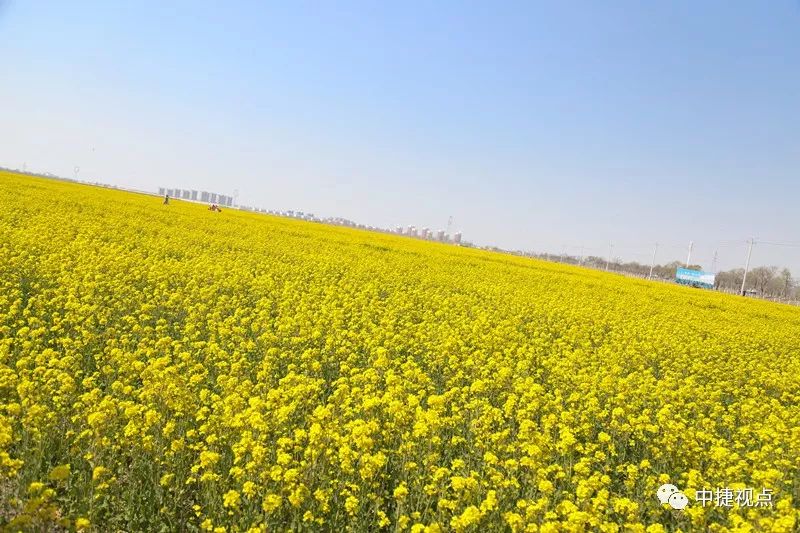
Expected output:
(769, 282)
(765, 281)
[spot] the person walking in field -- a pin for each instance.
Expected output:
(166, 199)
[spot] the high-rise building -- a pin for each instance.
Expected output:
(213, 198)
(186, 194)
(457, 238)
(194, 195)
(204, 196)
(171, 193)
(161, 191)
(440, 236)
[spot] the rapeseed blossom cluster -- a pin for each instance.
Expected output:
(163, 368)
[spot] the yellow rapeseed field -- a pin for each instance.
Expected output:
(163, 367)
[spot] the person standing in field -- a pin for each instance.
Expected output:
(166, 199)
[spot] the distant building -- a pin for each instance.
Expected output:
(170, 193)
(213, 199)
(161, 191)
(204, 196)
(457, 238)
(440, 235)
(186, 194)
(194, 195)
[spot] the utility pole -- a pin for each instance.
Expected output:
(653, 262)
(747, 263)
(689, 257)
(610, 251)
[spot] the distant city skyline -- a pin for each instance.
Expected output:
(537, 126)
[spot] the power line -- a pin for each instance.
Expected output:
(789, 244)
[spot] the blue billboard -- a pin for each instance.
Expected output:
(695, 278)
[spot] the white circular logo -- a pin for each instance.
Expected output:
(678, 501)
(665, 491)
(670, 494)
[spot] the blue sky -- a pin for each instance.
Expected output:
(536, 125)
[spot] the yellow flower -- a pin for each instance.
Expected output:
(490, 502)
(271, 502)
(471, 516)
(351, 504)
(98, 472)
(60, 473)
(249, 488)
(545, 486)
(401, 492)
(231, 499)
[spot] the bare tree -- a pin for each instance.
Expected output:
(761, 277)
(786, 282)
(730, 280)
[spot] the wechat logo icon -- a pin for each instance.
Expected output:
(670, 494)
